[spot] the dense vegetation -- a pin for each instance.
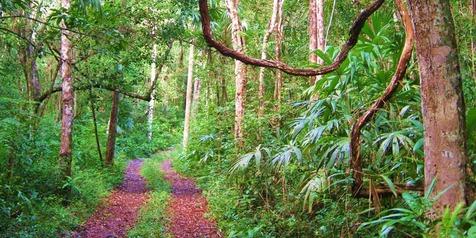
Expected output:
(270, 150)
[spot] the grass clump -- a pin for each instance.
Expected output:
(153, 216)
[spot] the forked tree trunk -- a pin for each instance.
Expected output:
(442, 101)
(240, 72)
(188, 99)
(112, 130)
(153, 78)
(316, 33)
(67, 99)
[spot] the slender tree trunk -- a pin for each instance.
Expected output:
(473, 43)
(28, 56)
(277, 51)
(153, 78)
(33, 75)
(442, 101)
(96, 134)
(224, 89)
(316, 33)
(196, 96)
(279, 35)
(67, 100)
(188, 98)
(112, 130)
(264, 47)
(240, 72)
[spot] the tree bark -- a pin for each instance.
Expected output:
(324, 69)
(473, 43)
(112, 130)
(355, 156)
(264, 47)
(316, 33)
(442, 102)
(96, 134)
(188, 99)
(240, 71)
(279, 35)
(153, 78)
(67, 99)
(196, 96)
(278, 85)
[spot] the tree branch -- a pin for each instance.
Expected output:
(223, 49)
(53, 90)
(356, 160)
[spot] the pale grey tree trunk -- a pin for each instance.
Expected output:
(153, 78)
(67, 99)
(188, 98)
(264, 47)
(240, 72)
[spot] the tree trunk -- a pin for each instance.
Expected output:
(442, 102)
(96, 134)
(196, 96)
(473, 43)
(264, 47)
(188, 99)
(240, 72)
(112, 130)
(279, 74)
(35, 80)
(277, 50)
(153, 78)
(364, 119)
(67, 100)
(316, 33)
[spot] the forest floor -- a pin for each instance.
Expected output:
(186, 208)
(120, 210)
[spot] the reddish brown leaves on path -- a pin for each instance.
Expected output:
(120, 210)
(187, 207)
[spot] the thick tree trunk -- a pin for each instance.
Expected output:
(240, 72)
(153, 78)
(112, 130)
(316, 33)
(67, 99)
(442, 101)
(188, 98)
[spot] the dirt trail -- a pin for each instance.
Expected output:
(119, 213)
(187, 208)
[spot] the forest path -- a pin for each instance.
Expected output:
(120, 211)
(187, 207)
